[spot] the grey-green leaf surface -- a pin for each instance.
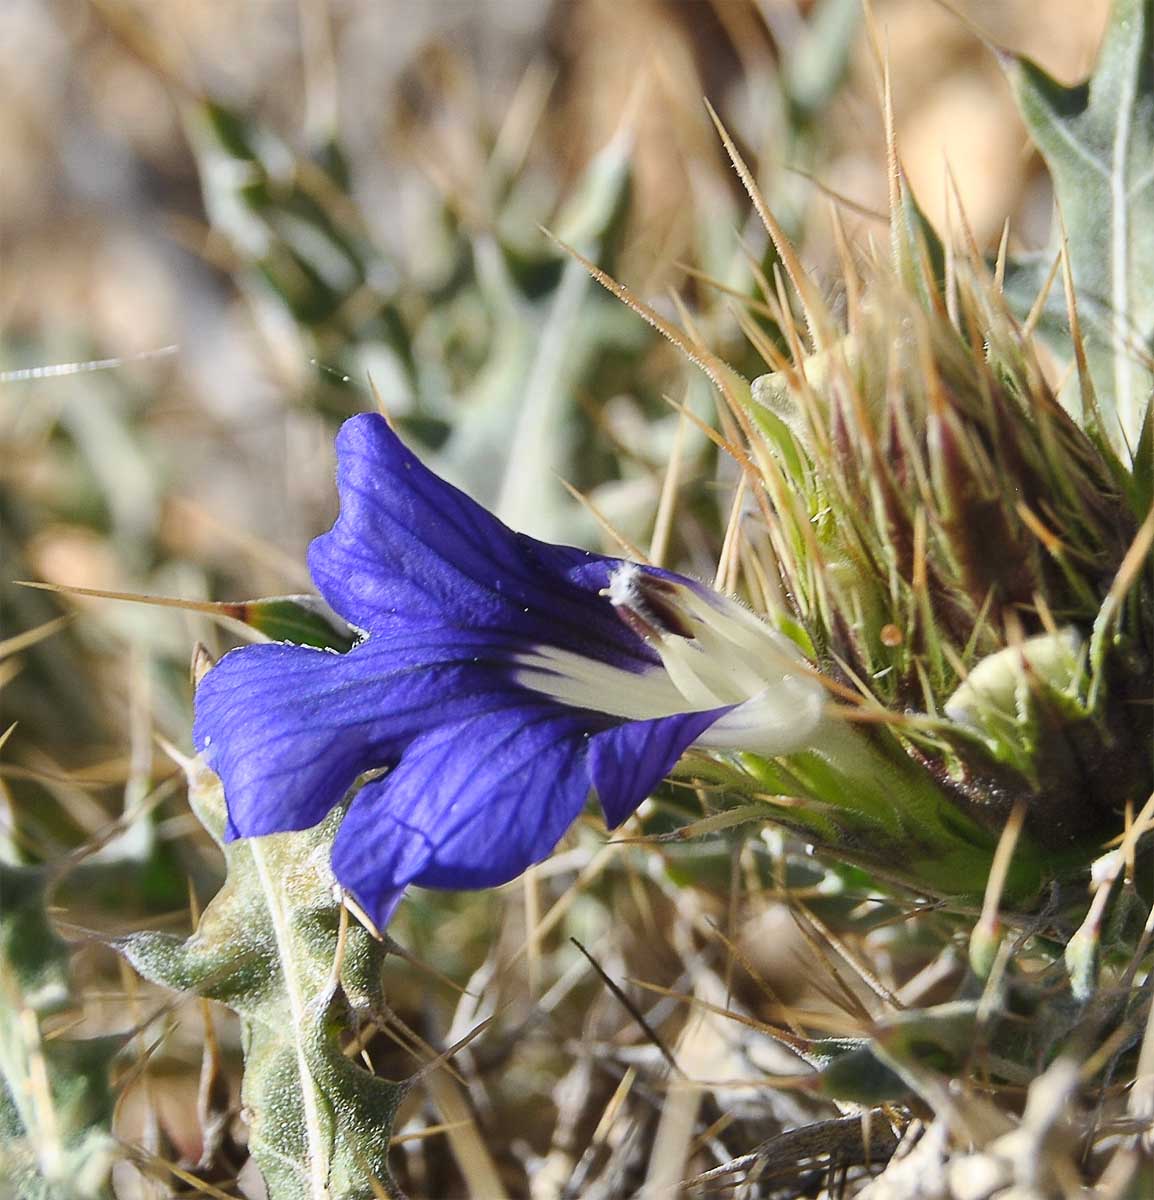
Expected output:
(1098, 141)
(35, 957)
(522, 410)
(269, 946)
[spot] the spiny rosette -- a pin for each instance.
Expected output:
(499, 681)
(968, 558)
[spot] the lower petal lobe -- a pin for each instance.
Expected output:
(472, 804)
(289, 728)
(627, 762)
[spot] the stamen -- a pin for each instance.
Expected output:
(635, 621)
(662, 598)
(589, 683)
(683, 660)
(715, 651)
(648, 604)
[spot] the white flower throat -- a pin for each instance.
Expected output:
(714, 653)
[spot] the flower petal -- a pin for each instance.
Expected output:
(289, 728)
(410, 547)
(778, 720)
(472, 805)
(626, 763)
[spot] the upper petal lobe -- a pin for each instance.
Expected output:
(410, 547)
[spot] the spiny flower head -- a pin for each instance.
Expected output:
(967, 559)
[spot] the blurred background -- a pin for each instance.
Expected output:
(226, 225)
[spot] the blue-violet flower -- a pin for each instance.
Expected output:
(500, 679)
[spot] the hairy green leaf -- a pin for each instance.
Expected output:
(270, 946)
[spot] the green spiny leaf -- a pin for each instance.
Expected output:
(305, 620)
(55, 1143)
(919, 254)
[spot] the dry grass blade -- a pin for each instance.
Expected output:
(695, 829)
(21, 641)
(987, 934)
(221, 609)
(838, 991)
(713, 366)
(482, 1176)
(737, 954)
(817, 319)
(823, 1021)
(1090, 410)
(1131, 566)
(630, 1008)
(420, 1049)
(697, 1048)
(1039, 305)
(845, 1139)
(419, 1135)
(840, 201)
(154, 1164)
(667, 501)
(846, 955)
(604, 522)
(742, 298)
